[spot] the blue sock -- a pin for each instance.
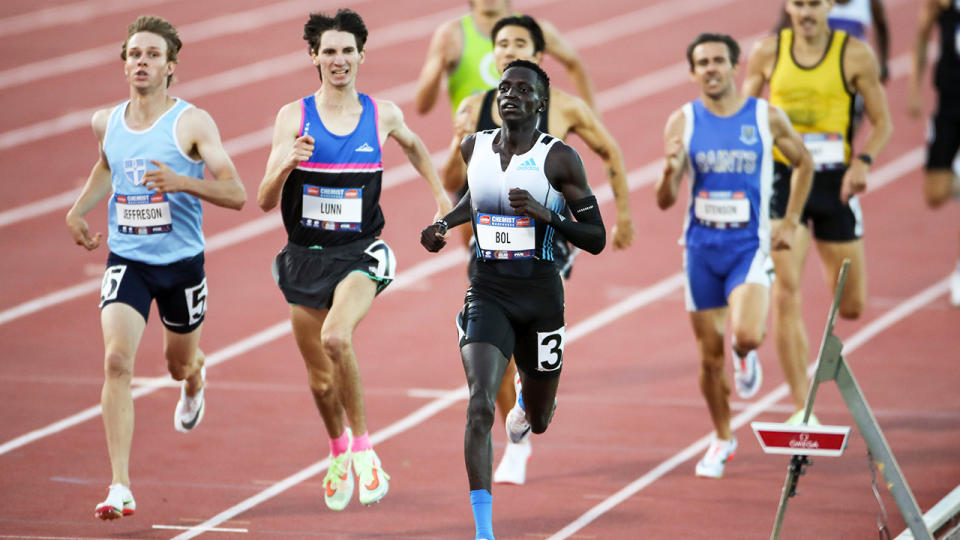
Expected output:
(520, 398)
(482, 503)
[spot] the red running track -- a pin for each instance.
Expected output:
(630, 414)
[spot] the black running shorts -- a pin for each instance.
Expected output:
(308, 276)
(522, 317)
(943, 136)
(831, 220)
(180, 289)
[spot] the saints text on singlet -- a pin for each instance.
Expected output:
(501, 234)
(144, 225)
(731, 168)
(333, 198)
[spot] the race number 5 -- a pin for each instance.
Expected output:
(550, 349)
(111, 283)
(197, 301)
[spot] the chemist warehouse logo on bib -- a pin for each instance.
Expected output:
(134, 170)
(484, 220)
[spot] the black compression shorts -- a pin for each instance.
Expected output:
(831, 220)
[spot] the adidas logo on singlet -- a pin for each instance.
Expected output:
(364, 148)
(528, 165)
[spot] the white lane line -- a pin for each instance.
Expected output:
(404, 280)
(68, 14)
(598, 320)
(210, 529)
(854, 342)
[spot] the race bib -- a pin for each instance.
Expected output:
(722, 209)
(827, 150)
(505, 237)
(332, 209)
(143, 214)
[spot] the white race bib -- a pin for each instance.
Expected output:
(827, 150)
(722, 209)
(505, 237)
(332, 209)
(143, 214)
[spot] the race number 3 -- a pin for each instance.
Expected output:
(550, 349)
(197, 301)
(111, 283)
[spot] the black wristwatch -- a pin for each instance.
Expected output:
(442, 226)
(865, 158)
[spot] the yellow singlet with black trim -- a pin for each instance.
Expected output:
(816, 99)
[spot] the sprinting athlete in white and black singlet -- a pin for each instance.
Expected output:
(519, 180)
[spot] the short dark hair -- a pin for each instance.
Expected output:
(542, 77)
(159, 26)
(523, 21)
(345, 20)
(732, 47)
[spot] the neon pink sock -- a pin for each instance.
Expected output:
(361, 443)
(341, 444)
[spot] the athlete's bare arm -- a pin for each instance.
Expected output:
(287, 151)
(464, 123)
(791, 145)
(199, 133)
(442, 56)
(929, 11)
(674, 158)
(882, 35)
(97, 187)
(864, 77)
(392, 125)
(559, 48)
(588, 127)
(760, 66)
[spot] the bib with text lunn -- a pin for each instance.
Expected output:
(332, 209)
(143, 214)
(505, 237)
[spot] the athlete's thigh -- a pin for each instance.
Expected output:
(122, 327)
(708, 328)
(788, 263)
(749, 305)
(352, 299)
(541, 332)
(484, 319)
(307, 324)
(703, 289)
(181, 348)
(181, 293)
(832, 255)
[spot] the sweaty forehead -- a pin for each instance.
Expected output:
(518, 74)
(337, 39)
(147, 40)
(512, 31)
(710, 49)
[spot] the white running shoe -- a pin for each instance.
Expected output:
(189, 410)
(720, 451)
(518, 429)
(513, 465)
(747, 374)
(374, 481)
(338, 483)
(119, 503)
(955, 287)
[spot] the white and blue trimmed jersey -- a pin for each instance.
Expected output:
(854, 18)
(143, 225)
(333, 198)
(730, 164)
(501, 234)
